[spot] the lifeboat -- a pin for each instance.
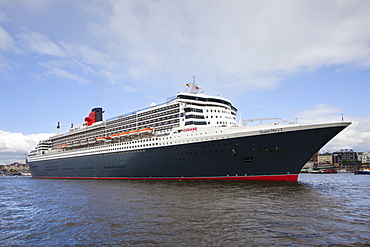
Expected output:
(115, 136)
(62, 146)
(76, 143)
(83, 142)
(91, 140)
(123, 135)
(104, 138)
(146, 131)
(100, 139)
(133, 133)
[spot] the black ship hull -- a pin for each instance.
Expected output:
(273, 156)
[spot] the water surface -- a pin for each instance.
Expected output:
(319, 209)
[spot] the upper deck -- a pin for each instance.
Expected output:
(185, 109)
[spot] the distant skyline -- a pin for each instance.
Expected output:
(305, 61)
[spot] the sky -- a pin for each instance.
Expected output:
(305, 61)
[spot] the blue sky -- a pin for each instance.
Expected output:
(304, 60)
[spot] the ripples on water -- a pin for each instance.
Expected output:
(330, 209)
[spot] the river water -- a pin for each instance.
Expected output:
(319, 209)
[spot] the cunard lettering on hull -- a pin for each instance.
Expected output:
(191, 129)
(192, 136)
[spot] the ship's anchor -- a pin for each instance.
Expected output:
(233, 152)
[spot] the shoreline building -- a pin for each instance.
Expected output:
(326, 158)
(345, 156)
(364, 157)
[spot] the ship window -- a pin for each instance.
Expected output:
(248, 159)
(189, 109)
(196, 123)
(194, 116)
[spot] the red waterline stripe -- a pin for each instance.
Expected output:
(290, 177)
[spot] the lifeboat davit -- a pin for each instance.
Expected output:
(104, 138)
(123, 135)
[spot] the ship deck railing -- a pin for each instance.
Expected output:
(261, 120)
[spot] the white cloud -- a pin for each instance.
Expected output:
(241, 39)
(75, 62)
(70, 64)
(320, 113)
(135, 73)
(14, 146)
(67, 75)
(34, 6)
(356, 136)
(41, 44)
(254, 43)
(4, 64)
(88, 55)
(128, 88)
(3, 17)
(6, 41)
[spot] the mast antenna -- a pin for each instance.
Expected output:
(194, 87)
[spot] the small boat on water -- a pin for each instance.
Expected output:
(324, 171)
(363, 171)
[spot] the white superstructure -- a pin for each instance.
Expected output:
(163, 124)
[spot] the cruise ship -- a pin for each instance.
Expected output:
(192, 136)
